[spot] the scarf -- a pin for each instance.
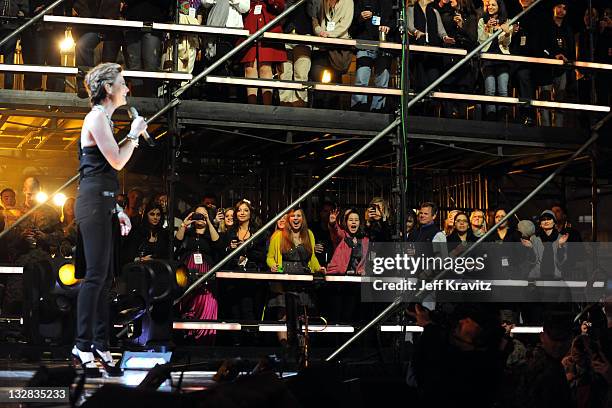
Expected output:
(217, 17)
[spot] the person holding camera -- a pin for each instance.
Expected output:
(372, 21)
(198, 242)
(377, 227)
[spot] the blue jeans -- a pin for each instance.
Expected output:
(496, 79)
(366, 60)
(143, 53)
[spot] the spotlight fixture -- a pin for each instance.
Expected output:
(148, 289)
(59, 199)
(326, 77)
(67, 44)
(42, 197)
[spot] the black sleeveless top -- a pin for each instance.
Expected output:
(93, 163)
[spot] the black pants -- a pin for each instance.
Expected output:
(524, 83)
(98, 227)
(40, 48)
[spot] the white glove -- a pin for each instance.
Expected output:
(124, 221)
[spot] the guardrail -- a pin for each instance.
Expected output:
(314, 40)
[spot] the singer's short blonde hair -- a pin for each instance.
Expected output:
(98, 77)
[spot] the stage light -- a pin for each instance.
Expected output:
(59, 199)
(326, 77)
(42, 197)
(150, 287)
(50, 294)
(67, 44)
(182, 276)
(66, 275)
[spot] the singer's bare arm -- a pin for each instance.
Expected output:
(96, 131)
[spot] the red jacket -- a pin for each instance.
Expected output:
(265, 51)
(342, 254)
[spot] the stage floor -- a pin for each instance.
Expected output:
(17, 374)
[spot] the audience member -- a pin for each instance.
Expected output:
(496, 74)
(259, 59)
(297, 66)
(563, 48)
(373, 20)
(197, 248)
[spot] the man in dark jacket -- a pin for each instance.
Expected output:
(10, 11)
(372, 21)
(563, 49)
(144, 48)
(528, 41)
(89, 39)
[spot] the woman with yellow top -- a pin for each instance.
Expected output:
(292, 249)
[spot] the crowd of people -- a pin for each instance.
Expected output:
(564, 369)
(544, 32)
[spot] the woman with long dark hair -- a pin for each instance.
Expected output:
(149, 240)
(243, 300)
(462, 235)
(96, 213)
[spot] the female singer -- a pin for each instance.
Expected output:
(97, 218)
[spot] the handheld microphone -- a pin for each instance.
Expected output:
(133, 114)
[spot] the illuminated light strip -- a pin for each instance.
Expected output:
(311, 39)
(39, 68)
(571, 106)
(11, 269)
(312, 328)
(206, 326)
(357, 89)
(180, 76)
(11, 320)
(518, 58)
(264, 276)
(561, 284)
(508, 282)
(94, 21)
(397, 329)
(256, 82)
(343, 278)
(594, 65)
(187, 28)
(599, 284)
(527, 330)
(437, 50)
(479, 98)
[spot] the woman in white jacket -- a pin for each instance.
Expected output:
(496, 73)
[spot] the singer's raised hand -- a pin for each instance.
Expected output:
(139, 125)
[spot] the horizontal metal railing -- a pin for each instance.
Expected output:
(328, 87)
(48, 69)
(314, 40)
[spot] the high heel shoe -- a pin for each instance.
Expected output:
(108, 363)
(85, 360)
